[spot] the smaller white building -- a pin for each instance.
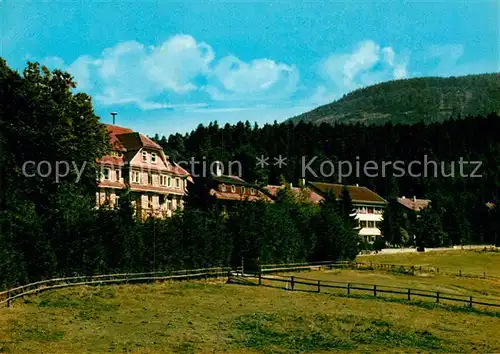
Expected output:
(369, 206)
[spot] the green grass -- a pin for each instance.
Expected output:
(468, 261)
(205, 317)
(212, 316)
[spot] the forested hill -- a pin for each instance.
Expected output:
(431, 99)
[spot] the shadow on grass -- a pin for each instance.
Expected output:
(273, 332)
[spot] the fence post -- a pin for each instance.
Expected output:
(470, 302)
(374, 290)
(460, 273)
(260, 277)
(420, 269)
(484, 275)
(348, 289)
(292, 282)
(8, 298)
(409, 294)
(437, 270)
(437, 297)
(319, 286)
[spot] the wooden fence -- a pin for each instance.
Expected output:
(306, 284)
(411, 269)
(6, 297)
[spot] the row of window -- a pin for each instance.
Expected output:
(369, 224)
(145, 156)
(233, 189)
(135, 177)
(369, 210)
(165, 181)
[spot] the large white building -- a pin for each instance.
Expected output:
(157, 184)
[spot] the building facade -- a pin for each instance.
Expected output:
(136, 163)
(368, 205)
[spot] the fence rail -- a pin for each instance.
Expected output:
(11, 294)
(409, 294)
(6, 297)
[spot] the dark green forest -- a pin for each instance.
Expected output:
(50, 228)
(409, 101)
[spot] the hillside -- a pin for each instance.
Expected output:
(431, 99)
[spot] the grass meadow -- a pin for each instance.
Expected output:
(217, 317)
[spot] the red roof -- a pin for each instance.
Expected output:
(361, 195)
(414, 203)
(238, 196)
(124, 139)
(312, 196)
(114, 131)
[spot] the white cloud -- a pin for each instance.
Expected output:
(131, 73)
(366, 64)
(237, 80)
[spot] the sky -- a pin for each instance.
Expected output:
(167, 66)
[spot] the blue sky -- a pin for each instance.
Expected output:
(168, 66)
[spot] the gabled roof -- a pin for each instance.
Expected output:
(414, 203)
(228, 179)
(128, 142)
(312, 196)
(359, 195)
(114, 131)
(124, 139)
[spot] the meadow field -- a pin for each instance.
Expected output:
(213, 316)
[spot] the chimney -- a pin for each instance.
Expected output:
(113, 114)
(302, 182)
(291, 185)
(414, 198)
(357, 185)
(218, 168)
(403, 197)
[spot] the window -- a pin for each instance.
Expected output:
(178, 182)
(233, 188)
(371, 224)
(162, 199)
(242, 190)
(169, 181)
(222, 187)
(363, 223)
(153, 157)
(150, 201)
(135, 177)
(370, 210)
(163, 180)
(118, 175)
(252, 191)
(144, 156)
(106, 173)
(150, 179)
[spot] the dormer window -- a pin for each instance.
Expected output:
(233, 188)
(252, 191)
(222, 187)
(242, 190)
(144, 156)
(153, 157)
